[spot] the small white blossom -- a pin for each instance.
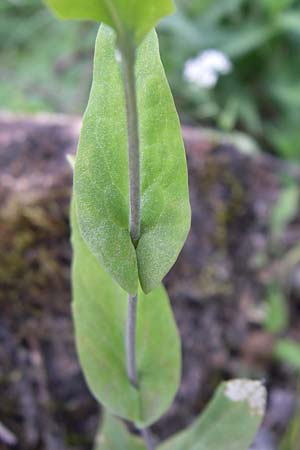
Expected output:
(205, 69)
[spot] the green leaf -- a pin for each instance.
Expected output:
(221, 9)
(277, 311)
(113, 435)
(285, 209)
(275, 7)
(125, 16)
(100, 311)
(250, 37)
(291, 438)
(288, 351)
(165, 197)
(289, 21)
(101, 170)
(230, 421)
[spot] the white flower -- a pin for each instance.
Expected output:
(205, 69)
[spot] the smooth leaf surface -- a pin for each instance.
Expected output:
(230, 421)
(99, 311)
(114, 435)
(101, 170)
(165, 197)
(125, 16)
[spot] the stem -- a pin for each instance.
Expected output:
(128, 53)
(147, 436)
(131, 340)
(128, 65)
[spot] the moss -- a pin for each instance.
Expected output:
(226, 195)
(29, 237)
(210, 283)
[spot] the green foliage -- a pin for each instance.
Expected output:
(277, 313)
(126, 17)
(99, 310)
(285, 209)
(288, 351)
(101, 237)
(261, 96)
(113, 435)
(259, 37)
(291, 438)
(101, 170)
(230, 421)
(34, 72)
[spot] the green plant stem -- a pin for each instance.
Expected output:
(128, 65)
(131, 340)
(128, 53)
(147, 436)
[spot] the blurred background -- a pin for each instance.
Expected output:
(234, 70)
(46, 64)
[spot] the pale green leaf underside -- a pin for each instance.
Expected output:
(101, 170)
(228, 423)
(125, 16)
(100, 310)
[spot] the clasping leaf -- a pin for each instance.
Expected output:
(101, 169)
(100, 311)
